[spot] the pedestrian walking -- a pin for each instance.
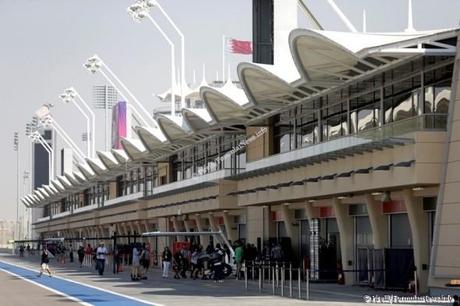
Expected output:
(178, 264)
(70, 253)
(194, 262)
(166, 258)
(88, 255)
(218, 257)
(145, 261)
(239, 254)
(44, 263)
(101, 253)
(81, 255)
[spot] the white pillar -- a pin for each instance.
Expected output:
(187, 225)
(310, 211)
(177, 228)
(212, 223)
(204, 239)
(163, 226)
(419, 229)
(288, 220)
(345, 224)
(229, 225)
(138, 228)
(378, 222)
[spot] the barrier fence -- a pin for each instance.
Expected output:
(278, 277)
(284, 279)
(265, 276)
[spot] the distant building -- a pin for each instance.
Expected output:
(40, 169)
(6, 232)
(105, 97)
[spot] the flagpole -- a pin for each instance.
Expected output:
(223, 58)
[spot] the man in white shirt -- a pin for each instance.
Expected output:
(101, 253)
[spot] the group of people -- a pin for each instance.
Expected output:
(49, 251)
(140, 262)
(211, 263)
(29, 250)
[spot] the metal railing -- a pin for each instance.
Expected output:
(433, 121)
(281, 277)
(286, 280)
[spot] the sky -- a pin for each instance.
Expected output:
(43, 44)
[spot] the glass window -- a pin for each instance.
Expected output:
(429, 100)
(401, 236)
(285, 143)
(363, 231)
(281, 229)
(309, 134)
(307, 130)
(242, 235)
(335, 127)
(403, 107)
(441, 98)
(284, 137)
(367, 117)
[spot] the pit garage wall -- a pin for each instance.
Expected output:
(445, 258)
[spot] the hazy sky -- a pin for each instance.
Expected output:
(43, 44)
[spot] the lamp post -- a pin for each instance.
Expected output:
(69, 95)
(25, 176)
(16, 149)
(144, 9)
(95, 64)
(30, 126)
(138, 12)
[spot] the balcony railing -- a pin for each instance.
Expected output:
(413, 124)
(391, 130)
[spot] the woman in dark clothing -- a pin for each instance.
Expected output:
(44, 263)
(178, 265)
(81, 255)
(166, 258)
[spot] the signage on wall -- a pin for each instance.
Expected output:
(326, 212)
(394, 207)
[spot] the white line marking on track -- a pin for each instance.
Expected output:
(47, 288)
(86, 285)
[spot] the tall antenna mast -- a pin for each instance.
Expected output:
(364, 21)
(410, 24)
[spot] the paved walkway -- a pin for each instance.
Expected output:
(85, 285)
(87, 295)
(18, 292)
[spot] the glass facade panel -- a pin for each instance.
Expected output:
(401, 236)
(392, 96)
(363, 231)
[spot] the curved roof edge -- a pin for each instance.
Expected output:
(134, 148)
(201, 114)
(276, 74)
(108, 159)
(172, 127)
